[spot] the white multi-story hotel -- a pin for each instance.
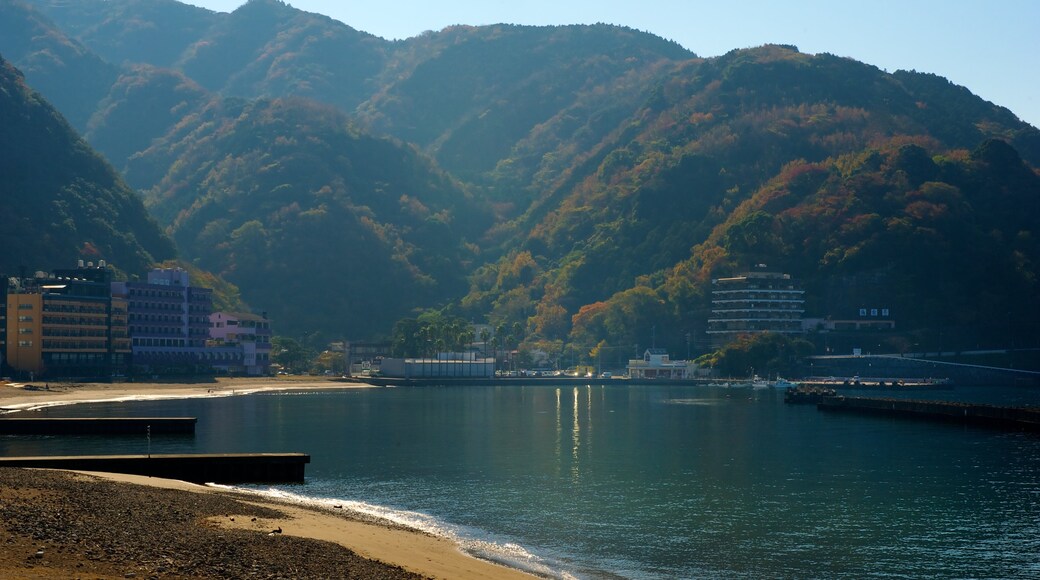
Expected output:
(756, 301)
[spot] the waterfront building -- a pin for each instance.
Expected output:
(656, 364)
(67, 324)
(239, 343)
(168, 321)
(757, 301)
(446, 365)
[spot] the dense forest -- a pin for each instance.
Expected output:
(577, 186)
(61, 200)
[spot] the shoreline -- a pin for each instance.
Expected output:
(104, 525)
(15, 397)
(408, 550)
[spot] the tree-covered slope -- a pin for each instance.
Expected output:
(62, 201)
(709, 134)
(471, 95)
(947, 239)
(608, 155)
(155, 32)
(143, 105)
(329, 230)
(70, 76)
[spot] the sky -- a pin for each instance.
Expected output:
(989, 46)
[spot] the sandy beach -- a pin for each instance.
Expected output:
(63, 524)
(21, 396)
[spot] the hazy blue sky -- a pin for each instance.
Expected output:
(990, 47)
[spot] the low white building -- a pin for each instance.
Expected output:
(656, 364)
(447, 364)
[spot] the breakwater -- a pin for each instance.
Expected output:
(195, 468)
(97, 425)
(969, 413)
(913, 367)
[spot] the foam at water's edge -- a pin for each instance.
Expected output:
(471, 541)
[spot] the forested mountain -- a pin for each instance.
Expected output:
(71, 77)
(62, 201)
(708, 136)
(328, 229)
(587, 181)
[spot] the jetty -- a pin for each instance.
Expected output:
(876, 383)
(1017, 418)
(194, 468)
(97, 425)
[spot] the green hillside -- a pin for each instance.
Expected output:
(582, 182)
(326, 228)
(709, 135)
(61, 201)
(71, 77)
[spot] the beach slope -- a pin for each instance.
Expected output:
(60, 524)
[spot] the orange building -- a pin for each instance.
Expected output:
(67, 324)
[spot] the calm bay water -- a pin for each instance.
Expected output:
(641, 482)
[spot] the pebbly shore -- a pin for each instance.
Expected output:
(72, 525)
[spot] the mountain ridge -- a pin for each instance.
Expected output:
(606, 156)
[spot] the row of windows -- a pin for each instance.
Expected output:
(76, 332)
(73, 321)
(156, 293)
(158, 342)
(79, 345)
(76, 357)
(74, 308)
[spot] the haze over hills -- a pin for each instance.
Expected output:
(61, 200)
(587, 180)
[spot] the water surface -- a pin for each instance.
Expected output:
(642, 481)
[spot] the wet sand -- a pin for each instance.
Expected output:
(64, 524)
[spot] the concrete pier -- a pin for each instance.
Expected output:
(1025, 418)
(97, 426)
(196, 468)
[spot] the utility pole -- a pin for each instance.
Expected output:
(346, 358)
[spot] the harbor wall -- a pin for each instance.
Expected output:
(989, 415)
(97, 425)
(869, 366)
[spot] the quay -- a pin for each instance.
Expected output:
(194, 468)
(97, 426)
(875, 383)
(1024, 418)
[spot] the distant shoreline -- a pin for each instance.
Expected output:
(17, 397)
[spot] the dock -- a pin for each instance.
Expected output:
(877, 383)
(1018, 418)
(98, 426)
(194, 468)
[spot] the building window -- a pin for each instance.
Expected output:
(25, 318)
(25, 331)
(25, 307)
(24, 343)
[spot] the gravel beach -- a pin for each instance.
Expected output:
(65, 524)
(71, 525)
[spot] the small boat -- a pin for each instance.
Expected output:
(758, 382)
(782, 383)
